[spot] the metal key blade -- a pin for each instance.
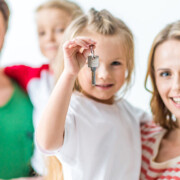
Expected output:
(93, 76)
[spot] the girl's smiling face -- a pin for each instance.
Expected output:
(167, 74)
(110, 75)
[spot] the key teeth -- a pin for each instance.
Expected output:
(93, 69)
(93, 63)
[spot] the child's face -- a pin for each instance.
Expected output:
(167, 74)
(2, 30)
(110, 75)
(51, 23)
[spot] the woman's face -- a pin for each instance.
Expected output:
(2, 30)
(167, 74)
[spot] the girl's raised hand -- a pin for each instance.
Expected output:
(75, 54)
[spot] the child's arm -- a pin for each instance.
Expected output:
(50, 131)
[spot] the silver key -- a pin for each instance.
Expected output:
(93, 63)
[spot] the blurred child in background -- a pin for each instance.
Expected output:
(52, 18)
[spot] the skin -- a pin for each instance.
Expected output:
(2, 30)
(51, 23)
(50, 131)
(110, 75)
(6, 88)
(167, 75)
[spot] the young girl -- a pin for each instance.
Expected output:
(52, 19)
(93, 134)
(161, 145)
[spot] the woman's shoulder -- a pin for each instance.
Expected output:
(150, 130)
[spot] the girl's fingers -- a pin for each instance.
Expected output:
(88, 40)
(86, 52)
(80, 41)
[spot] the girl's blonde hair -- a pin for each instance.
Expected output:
(4, 9)
(162, 115)
(104, 23)
(70, 7)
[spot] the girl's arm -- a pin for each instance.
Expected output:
(50, 131)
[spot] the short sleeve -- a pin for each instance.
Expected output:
(67, 151)
(140, 115)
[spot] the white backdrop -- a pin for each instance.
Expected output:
(144, 17)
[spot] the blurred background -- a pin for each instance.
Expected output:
(144, 17)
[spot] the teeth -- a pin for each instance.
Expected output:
(176, 100)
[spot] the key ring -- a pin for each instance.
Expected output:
(92, 50)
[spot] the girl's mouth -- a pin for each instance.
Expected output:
(104, 86)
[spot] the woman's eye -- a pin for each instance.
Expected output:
(115, 63)
(164, 74)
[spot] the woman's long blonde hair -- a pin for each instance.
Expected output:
(104, 23)
(162, 115)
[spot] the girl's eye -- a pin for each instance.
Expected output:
(60, 30)
(41, 33)
(164, 74)
(115, 63)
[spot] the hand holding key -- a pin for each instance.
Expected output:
(76, 53)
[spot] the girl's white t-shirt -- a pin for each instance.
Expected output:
(101, 142)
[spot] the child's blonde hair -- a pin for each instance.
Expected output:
(162, 115)
(104, 23)
(70, 7)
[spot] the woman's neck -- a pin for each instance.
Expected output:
(174, 136)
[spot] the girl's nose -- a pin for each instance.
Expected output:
(50, 36)
(102, 72)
